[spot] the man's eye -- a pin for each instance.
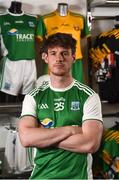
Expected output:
(65, 54)
(52, 53)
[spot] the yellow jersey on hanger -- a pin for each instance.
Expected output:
(72, 23)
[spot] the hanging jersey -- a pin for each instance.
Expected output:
(17, 36)
(105, 44)
(56, 108)
(106, 159)
(73, 23)
(104, 55)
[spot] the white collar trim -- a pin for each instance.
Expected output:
(15, 14)
(62, 89)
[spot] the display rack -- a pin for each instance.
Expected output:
(104, 3)
(10, 108)
(104, 10)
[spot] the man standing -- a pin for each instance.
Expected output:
(62, 118)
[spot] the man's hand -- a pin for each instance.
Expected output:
(75, 129)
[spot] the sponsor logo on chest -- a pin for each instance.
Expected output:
(19, 36)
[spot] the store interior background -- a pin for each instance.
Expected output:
(9, 113)
(79, 6)
(99, 9)
(39, 7)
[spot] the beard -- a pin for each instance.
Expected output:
(60, 71)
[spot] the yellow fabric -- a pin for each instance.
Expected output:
(71, 24)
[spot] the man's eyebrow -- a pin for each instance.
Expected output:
(50, 51)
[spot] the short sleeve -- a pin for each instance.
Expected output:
(41, 29)
(92, 108)
(29, 106)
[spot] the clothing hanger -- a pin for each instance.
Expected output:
(62, 9)
(15, 7)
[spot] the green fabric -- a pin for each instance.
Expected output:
(2, 65)
(17, 34)
(53, 109)
(77, 70)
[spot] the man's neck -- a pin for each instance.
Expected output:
(60, 82)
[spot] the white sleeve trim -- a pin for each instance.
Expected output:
(29, 106)
(92, 108)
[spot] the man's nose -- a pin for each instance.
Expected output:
(60, 58)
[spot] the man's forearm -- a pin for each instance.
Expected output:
(87, 141)
(42, 137)
(78, 143)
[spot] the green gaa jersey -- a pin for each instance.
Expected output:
(56, 108)
(17, 33)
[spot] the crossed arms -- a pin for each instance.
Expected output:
(85, 139)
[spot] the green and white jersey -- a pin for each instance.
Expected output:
(17, 33)
(56, 108)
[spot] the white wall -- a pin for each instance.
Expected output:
(102, 13)
(46, 6)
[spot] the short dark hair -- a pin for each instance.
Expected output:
(59, 39)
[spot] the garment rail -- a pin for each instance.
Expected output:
(10, 108)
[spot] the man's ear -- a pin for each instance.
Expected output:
(44, 57)
(74, 58)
